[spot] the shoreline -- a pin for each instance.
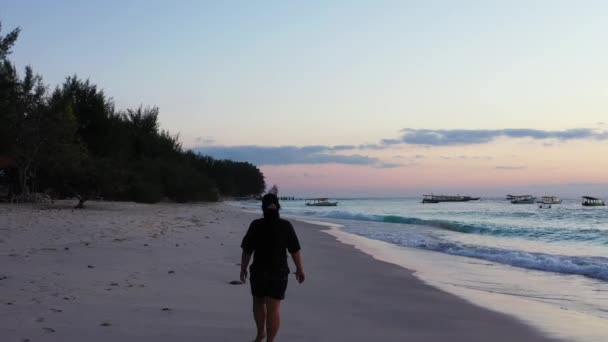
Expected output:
(555, 322)
(570, 306)
(386, 253)
(136, 272)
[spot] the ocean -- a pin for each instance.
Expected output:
(555, 259)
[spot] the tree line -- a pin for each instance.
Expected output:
(73, 142)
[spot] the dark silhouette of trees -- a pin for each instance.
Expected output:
(72, 142)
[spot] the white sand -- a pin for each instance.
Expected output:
(134, 272)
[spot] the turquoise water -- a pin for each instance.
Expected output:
(546, 266)
(566, 238)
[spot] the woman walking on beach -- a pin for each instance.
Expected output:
(269, 239)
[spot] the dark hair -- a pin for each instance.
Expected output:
(267, 201)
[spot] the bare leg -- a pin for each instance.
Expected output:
(259, 314)
(273, 318)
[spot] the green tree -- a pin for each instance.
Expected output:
(29, 121)
(73, 143)
(7, 42)
(8, 90)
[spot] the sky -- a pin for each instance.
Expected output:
(352, 98)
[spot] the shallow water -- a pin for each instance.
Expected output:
(557, 256)
(567, 238)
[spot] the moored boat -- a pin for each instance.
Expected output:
(445, 198)
(550, 200)
(320, 202)
(523, 199)
(589, 201)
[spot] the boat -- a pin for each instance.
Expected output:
(523, 199)
(445, 198)
(589, 201)
(320, 202)
(550, 200)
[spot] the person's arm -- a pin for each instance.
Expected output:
(297, 260)
(245, 257)
(248, 246)
(293, 246)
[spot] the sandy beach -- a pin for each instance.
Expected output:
(135, 272)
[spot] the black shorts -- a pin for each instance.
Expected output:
(264, 284)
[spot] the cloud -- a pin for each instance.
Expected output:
(285, 155)
(318, 154)
(463, 157)
(391, 141)
(371, 147)
(204, 140)
(511, 168)
(440, 137)
(343, 148)
(459, 137)
(391, 165)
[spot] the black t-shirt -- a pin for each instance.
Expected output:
(268, 240)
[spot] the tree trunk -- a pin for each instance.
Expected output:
(23, 178)
(81, 200)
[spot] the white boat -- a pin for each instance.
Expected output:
(550, 200)
(320, 202)
(523, 199)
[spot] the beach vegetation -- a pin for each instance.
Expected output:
(72, 142)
